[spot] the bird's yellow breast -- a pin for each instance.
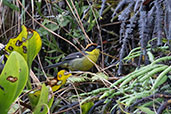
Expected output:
(84, 63)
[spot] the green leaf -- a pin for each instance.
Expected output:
(100, 76)
(135, 96)
(45, 101)
(12, 80)
(63, 20)
(34, 98)
(150, 56)
(50, 26)
(34, 45)
(146, 110)
(161, 78)
(10, 5)
(76, 79)
(86, 107)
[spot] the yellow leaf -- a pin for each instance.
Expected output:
(28, 43)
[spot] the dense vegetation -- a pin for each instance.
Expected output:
(133, 72)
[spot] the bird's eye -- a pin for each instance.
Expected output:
(91, 48)
(60, 76)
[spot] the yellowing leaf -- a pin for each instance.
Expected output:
(34, 45)
(19, 43)
(28, 43)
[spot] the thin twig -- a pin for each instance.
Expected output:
(78, 97)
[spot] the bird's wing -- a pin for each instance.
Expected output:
(74, 56)
(67, 59)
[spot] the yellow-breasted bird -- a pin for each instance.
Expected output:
(54, 83)
(77, 61)
(60, 80)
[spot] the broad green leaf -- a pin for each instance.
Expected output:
(12, 80)
(34, 45)
(33, 98)
(45, 101)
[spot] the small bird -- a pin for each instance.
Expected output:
(54, 83)
(79, 62)
(60, 80)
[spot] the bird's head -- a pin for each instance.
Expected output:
(63, 75)
(92, 46)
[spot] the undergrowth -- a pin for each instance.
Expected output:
(133, 73)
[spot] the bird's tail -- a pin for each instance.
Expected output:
(53, 65)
